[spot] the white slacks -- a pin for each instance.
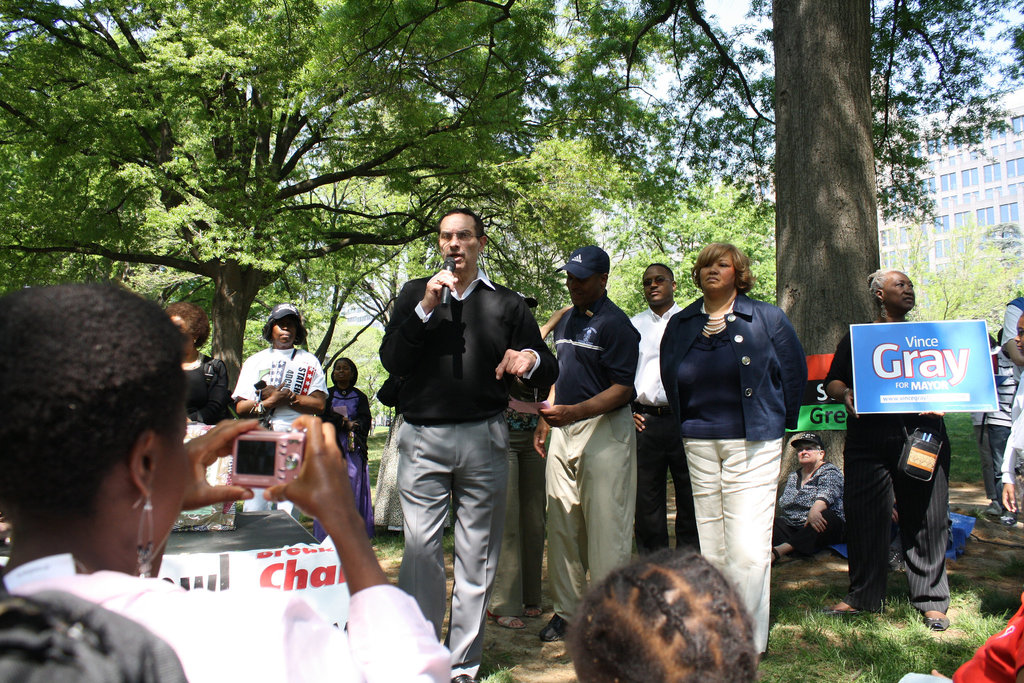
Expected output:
(734, 483)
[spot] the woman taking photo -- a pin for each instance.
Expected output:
(348, 410)
(734, 372)
(207, 394)
(873, 447)
(93, 520)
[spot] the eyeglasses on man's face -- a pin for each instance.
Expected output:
(656, 280)
(461, 235)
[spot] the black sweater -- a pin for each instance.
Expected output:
(447, 364)
(206, 391)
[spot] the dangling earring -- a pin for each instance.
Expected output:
(144, 542)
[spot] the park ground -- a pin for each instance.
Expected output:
(986, 584)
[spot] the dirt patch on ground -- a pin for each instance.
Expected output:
(531, 661)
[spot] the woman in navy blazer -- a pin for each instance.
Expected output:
(735, 373)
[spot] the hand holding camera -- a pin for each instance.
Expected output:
(202, 452)
(323, 490)
(322, 486)
(304, 466)
(263, 459)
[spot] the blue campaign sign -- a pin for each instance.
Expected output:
(917, 367)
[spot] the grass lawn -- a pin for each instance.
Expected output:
(805, 645)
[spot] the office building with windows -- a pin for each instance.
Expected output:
(971, 185)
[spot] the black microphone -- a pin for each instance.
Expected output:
(446, 293)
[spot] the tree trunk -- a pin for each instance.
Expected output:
(235, 288)
(826, 215)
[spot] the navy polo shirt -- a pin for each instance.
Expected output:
(594, 352)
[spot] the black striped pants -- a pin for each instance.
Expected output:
(872, 480)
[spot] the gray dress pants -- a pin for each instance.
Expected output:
(465, 463)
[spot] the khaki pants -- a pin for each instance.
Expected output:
(591, 488)
(522, 544)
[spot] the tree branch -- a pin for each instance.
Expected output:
(129, 36)
(723, 54)
(75, 42)
(21, 116)
(888, 73)
(352, 341)
(93, 249)
(366, 169)
(348, 239)
(938, 62)
(670, 8)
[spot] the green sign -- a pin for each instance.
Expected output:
(822, 416)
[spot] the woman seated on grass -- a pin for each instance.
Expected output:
(810, 509)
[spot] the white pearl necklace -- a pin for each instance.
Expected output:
(715, 324)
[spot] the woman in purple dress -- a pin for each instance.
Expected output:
(348, 410)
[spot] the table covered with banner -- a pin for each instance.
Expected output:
(265, 550)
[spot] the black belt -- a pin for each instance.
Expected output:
(651, 410)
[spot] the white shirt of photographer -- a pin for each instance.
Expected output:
(259, 634)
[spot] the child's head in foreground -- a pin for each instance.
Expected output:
(670, 616)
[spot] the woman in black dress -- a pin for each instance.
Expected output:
(874, 482)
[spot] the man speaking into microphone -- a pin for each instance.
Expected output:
(455, 361)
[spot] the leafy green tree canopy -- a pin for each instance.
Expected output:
(230, 139)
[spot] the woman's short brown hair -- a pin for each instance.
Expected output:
(196, 321)
(715, 251)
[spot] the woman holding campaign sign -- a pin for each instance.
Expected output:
(878, 474)
(734, 372)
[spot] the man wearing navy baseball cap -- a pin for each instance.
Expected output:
(591, 464)
(588, 261)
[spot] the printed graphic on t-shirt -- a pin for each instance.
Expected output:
(297, 380)
(586, 338)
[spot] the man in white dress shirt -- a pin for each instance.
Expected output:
(659, 448)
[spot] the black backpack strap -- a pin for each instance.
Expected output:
(209, 369)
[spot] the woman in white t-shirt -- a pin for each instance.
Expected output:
(278, 384)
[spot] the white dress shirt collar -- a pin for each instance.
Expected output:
(651, 326)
